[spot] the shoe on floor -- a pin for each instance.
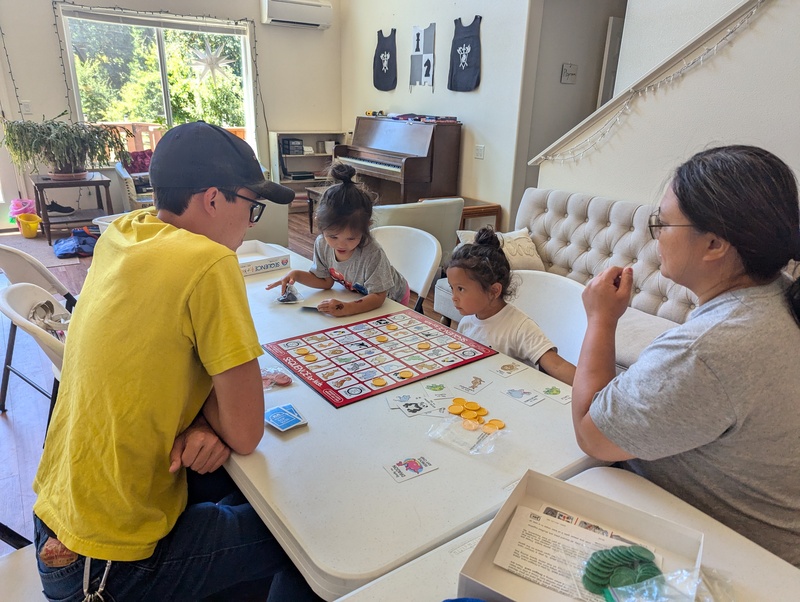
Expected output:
(55, 209)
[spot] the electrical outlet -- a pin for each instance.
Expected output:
(25, 106)
(479, 151)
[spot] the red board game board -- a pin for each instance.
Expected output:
(349, 363)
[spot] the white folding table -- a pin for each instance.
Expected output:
(323, 491)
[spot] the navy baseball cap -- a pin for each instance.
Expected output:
(201, 155)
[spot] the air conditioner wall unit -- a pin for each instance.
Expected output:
(313, 14)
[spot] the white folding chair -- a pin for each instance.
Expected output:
(414, 253)
(22, 267)
(554, 303)
(16, 302)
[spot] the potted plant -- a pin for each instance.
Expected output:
(67, 147)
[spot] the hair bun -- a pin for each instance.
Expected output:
(486, 236)
(342, 172)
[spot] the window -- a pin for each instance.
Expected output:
(149, 74)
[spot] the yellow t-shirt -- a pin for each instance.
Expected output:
(161, 311)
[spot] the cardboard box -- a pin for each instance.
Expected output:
(256, 257)
(679, 546)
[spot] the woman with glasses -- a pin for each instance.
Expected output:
(711, 410)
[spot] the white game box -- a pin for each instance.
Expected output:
(256, 257)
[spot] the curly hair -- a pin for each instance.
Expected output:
(484, 261)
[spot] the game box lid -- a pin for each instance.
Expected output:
(256, 257)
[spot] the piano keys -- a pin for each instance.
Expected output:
(404, 161)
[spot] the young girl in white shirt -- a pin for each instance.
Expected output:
(480, 277)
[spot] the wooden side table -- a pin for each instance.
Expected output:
(314, 195)
(93, 179)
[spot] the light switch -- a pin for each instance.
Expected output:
(25, 107)
(479, 151)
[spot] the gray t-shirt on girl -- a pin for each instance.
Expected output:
(367, 271)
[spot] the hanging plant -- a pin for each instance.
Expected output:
(66, 147)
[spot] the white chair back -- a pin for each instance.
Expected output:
(554, 303)
(414, 253)
(128, 187)
(16, 302)
(439, 217)
(19, 266)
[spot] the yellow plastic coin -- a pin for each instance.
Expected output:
(309, 358)
(469, 415)
(480, 419)
(405, 374)
(489, 428)
(482, 411)
(470, 425)
(459, 400)
(381, 338)
(301, 351)
(379, 382)
(392, 327)
(454, 345)
(455, 409)
(424, 346)
(472, 405)
(498, 423)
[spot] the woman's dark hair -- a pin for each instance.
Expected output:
(484, 261)
(747, 196)
(345, 205)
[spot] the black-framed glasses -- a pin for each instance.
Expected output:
(654, 224)
(256, 209)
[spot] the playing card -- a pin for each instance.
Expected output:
(283, 417)
(415, 405)
(436, 390)
(510, 368)
(475, 384)
(408, 468)
(527, 396)
(559, 394)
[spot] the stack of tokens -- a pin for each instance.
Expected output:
(617, 567)
(274, 376)
(473, 414)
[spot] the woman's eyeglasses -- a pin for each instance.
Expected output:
(654, 224)
(256, 209)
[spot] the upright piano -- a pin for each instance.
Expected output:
(404, 161)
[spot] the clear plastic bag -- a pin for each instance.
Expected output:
(275, 376)
(466, 435)
(686, 585)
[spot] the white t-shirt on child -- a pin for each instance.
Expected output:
(509, 331)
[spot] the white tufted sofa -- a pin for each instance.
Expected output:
(578, 236)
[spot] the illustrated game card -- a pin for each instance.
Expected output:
(527, 396)
(559, 394)
(283, 417)
(510, 368)
(408, 468)
(474, 384)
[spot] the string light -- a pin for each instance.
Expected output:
(577, 151)
(13, 81)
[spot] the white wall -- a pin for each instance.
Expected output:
(746, 94)
(300, 71)
(572, 31)
(654, 30)
(490, 114)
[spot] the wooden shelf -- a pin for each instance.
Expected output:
(308, 155)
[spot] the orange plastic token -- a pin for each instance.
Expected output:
(470, 425)
(424, 346)
(455, 409)
(392, 327)
(379, 382)
(472, 405)
(498, 423)
(482, 411)
(459, 400)
(381, 338)
(454, 345)
(469, 415)
(405, 374)
(301, 351)
(489, 428)
(309, 358)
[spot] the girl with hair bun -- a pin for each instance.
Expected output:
(480, 278)
(346, 253)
